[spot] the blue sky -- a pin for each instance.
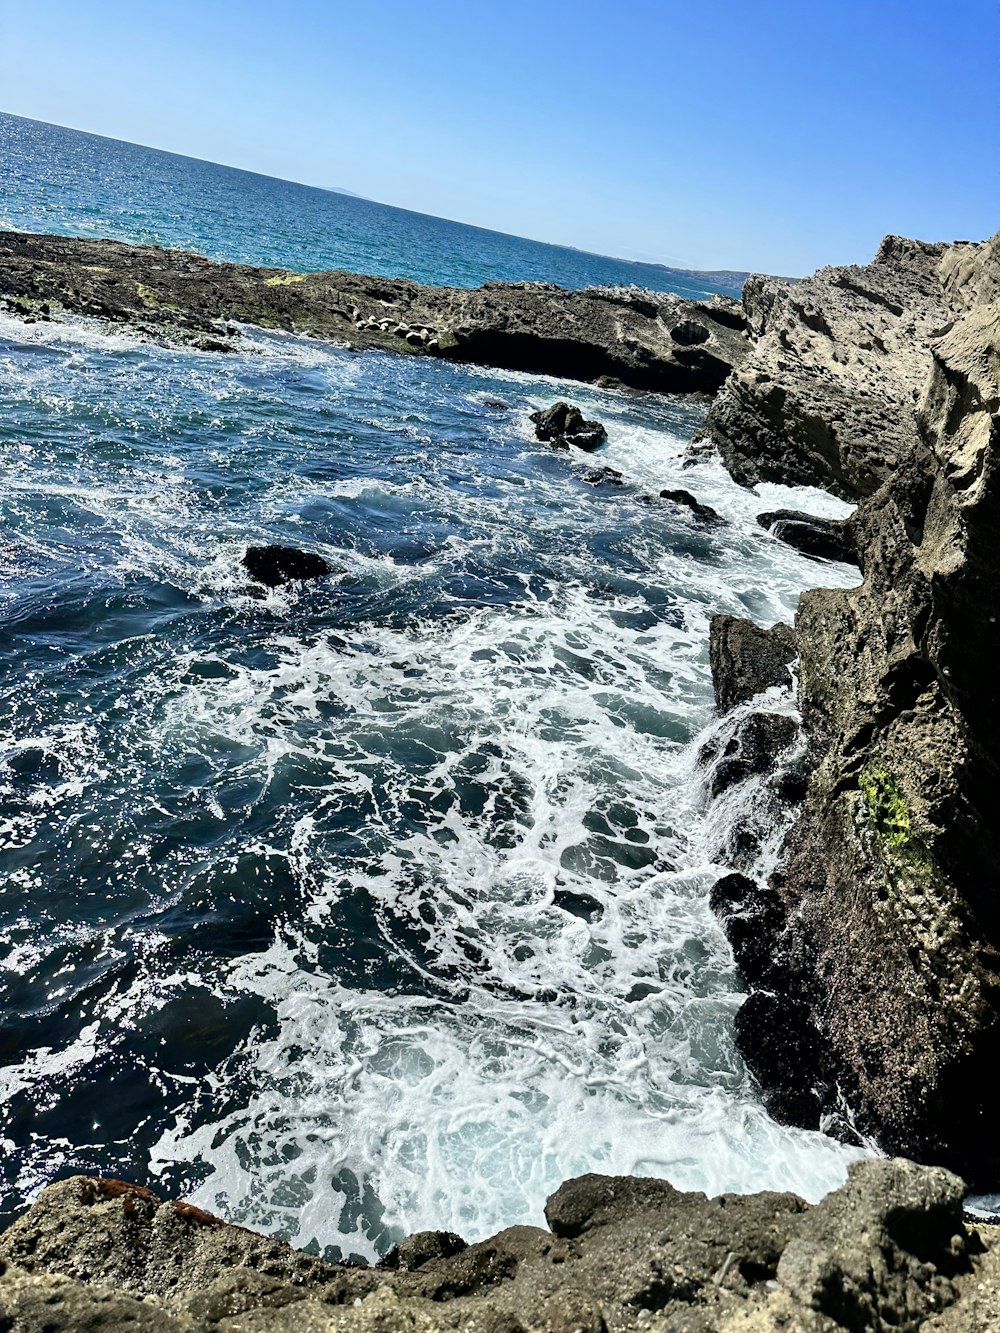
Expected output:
(772, 136)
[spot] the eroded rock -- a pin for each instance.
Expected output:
(747, 659)
(562, 424)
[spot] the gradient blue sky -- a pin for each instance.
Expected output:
(759, 135)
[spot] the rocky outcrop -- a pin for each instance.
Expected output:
(888, 1250)
(883, 994)
(647, 340)
(828, 395)
(747, 660)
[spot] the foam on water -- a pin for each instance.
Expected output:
(381, 901)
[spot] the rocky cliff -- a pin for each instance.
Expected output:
(647, 340)
(879, 989)
(889, 1250)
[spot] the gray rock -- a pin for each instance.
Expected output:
(518, 326)
(746, 659)
(890, 881)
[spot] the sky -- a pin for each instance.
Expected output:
(765, 135)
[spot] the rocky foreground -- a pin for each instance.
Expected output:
(889, 1250)
(647, 340)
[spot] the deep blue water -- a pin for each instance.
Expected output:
(377, 903)
(58, 180)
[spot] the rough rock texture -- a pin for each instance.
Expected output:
(889, 933)
(828, 395)
(642, 340)
(746, 659)
(887, 1251)
(562, 424)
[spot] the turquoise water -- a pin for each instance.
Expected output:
(378, 903)
(57, 180)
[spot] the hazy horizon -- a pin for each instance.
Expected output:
(774, 139)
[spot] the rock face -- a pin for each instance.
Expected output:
(746, 659)
(641, 340)
(888, 1250)
(887, 944)
(828, 395)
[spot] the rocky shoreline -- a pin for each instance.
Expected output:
(647, 340)
(877, 974)
(873, 954)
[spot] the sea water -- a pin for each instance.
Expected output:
(377, 903)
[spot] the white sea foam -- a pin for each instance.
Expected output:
(484, 764)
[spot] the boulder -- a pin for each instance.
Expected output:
(562, 424)
(753, 749)
(705, 513)
(823, 538)
(275, 566)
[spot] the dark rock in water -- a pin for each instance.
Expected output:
(583, 905)
(746, 659)
(604, 476)
(609, 382)
(703, 512)
(784, 1051)
(563, 424)
(754, 749)
(497, 405)
(421, 1248)
(276, 565)
(824, 538)
(751, 917)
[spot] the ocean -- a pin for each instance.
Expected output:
(379, 903)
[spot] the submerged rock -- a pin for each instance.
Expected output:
(562, 424)
(747, 660)
(275, 566)
(824, 538)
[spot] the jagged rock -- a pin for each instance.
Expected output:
(277, 565)
(746, 659)
(828, 394)
(604, 476)
(753, 749)
(752, 918)
(888, 1250)
(421, 1248)
(562, 424)
(891, 876)
(825, 538)
(532, 327)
